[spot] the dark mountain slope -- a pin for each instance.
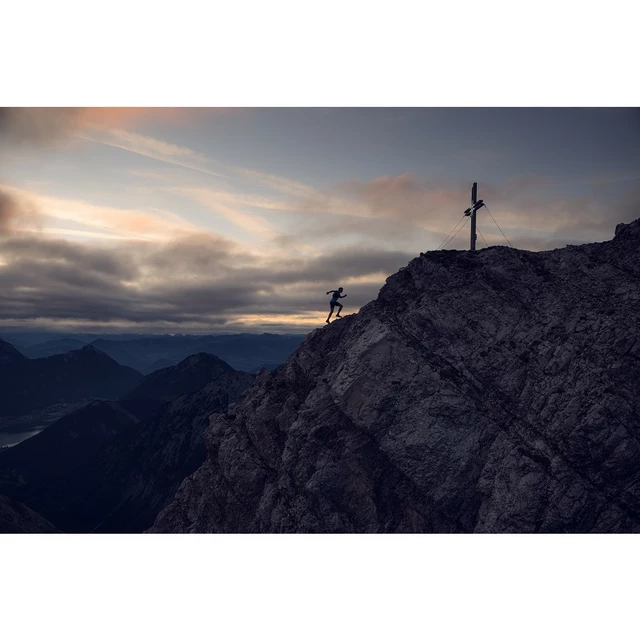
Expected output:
(493, 391)
(53, 347)
(17, 518)
(99, 467)
(123, 352)
(9, 355)
(27, 385)
(249, 351)
(242, 351)
(193, 373)
(39, 467)
(130, 481)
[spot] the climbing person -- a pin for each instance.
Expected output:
(334, 302)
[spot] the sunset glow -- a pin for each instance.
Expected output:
(241, 219)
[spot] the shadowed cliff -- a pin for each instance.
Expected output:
(493, 391)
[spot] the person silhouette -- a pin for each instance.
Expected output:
(334, 302)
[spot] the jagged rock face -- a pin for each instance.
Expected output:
(493, 391)
(18, 518)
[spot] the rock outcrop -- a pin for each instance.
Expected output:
(487, 391)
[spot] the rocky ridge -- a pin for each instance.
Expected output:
(487, 391)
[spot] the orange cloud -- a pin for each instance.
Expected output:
(49, 124)
(140, 225)
(120, 116)
(150, 147)
(13, 212)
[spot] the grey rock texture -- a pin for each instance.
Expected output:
(494, 391)
(15, 517)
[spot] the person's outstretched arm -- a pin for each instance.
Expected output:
(328, 292)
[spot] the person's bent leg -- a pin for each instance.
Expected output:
(339, 311)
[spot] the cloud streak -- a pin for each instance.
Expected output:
(398, 205)
(12, 213)
(149, 147)
(53, 125)
(30, 207)
(198, 280)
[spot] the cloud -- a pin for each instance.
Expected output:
(224, 204)
(171, 273)
(149, 147)
(13, 213)
(187, 158)
(404, 210)
(38, 125)
(199, 280)
(402, 197)
(549, 219)
(274, 182)
(51, 125)
(527, 209)
(29, 207)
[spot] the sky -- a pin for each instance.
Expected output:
(226, 220)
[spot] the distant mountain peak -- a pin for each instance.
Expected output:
(91, 349)
(191, 374)
(33, 384)
(89, 353)
(8, 353)
(202, 357)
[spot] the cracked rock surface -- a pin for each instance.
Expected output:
(487, 391)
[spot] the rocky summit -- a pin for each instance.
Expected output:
(487, 391)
